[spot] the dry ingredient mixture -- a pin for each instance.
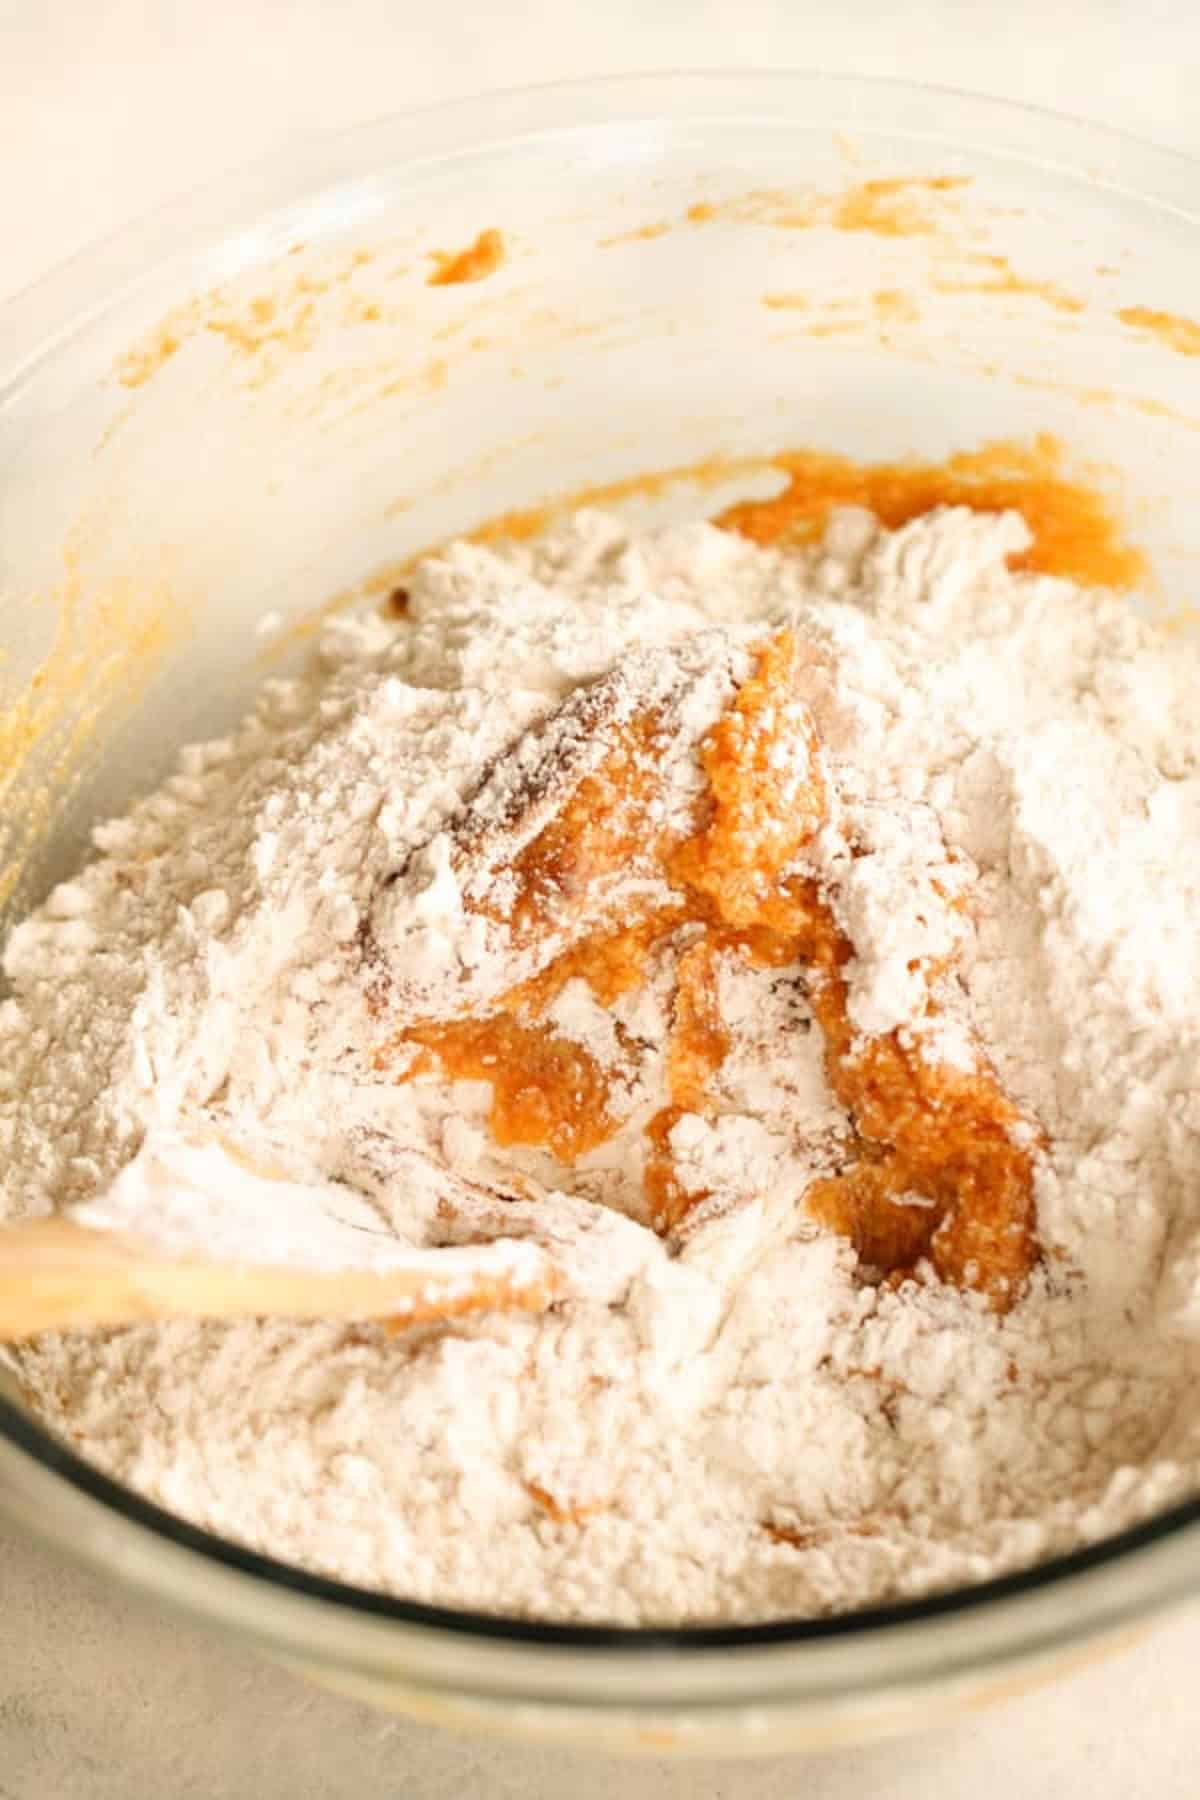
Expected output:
(799, 942)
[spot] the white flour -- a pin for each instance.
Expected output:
(739, 1425)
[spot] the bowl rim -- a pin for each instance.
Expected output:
(38, 320)
(39, 315)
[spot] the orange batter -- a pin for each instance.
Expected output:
(1170, 329)
(932, 1170)
(605, 823)
(1074, 532)
(546, 1089)
(475, 263)
(562, 1515)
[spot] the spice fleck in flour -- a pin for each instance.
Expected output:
(797, 945)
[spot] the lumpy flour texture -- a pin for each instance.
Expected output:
(735, 1416)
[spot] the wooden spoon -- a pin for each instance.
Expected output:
(59, 1275)
(192, 1228)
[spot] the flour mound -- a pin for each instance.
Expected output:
(741, 1423)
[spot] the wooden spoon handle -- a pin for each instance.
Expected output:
(58, 1275)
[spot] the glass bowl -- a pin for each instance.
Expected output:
(224, 423)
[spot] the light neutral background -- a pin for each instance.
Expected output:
(111, 107)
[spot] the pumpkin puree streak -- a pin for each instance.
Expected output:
(475, 263)
(1074, 533)
(922, 1128)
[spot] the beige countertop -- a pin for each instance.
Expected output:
(111, 107)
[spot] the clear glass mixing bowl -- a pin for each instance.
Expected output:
(255, 401)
